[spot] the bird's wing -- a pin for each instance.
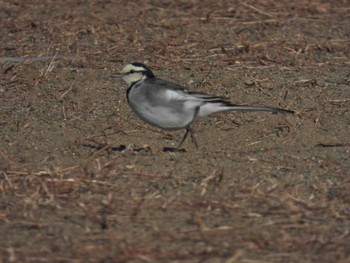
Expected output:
(164, 91)
(166, 84)
(178, 92)
(204, 96)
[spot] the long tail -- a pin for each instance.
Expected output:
(256, 108)
(220, 105)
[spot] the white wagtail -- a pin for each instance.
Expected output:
(170, 106)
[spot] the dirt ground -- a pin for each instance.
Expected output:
(82, 179)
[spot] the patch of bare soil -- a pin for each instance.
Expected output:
(82, 179)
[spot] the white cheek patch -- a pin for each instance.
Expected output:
(135, 77)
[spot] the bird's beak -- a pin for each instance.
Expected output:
(118, 75)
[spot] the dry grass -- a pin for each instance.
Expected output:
(82, 180)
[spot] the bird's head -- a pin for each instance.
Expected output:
(135, 72)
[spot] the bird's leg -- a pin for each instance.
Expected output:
(190, 130)
(190, 126)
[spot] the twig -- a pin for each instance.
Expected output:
(216, 177)
(66, 92)
(209, 71)
(49, 67)
(258, 10)
(99, 151)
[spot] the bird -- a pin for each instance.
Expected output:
(171, 106)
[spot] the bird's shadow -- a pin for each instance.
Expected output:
(173, 150)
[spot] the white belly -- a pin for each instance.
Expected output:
(163, 117)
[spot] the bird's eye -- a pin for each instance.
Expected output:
(132, 71)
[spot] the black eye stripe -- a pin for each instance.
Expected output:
(136, 71)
